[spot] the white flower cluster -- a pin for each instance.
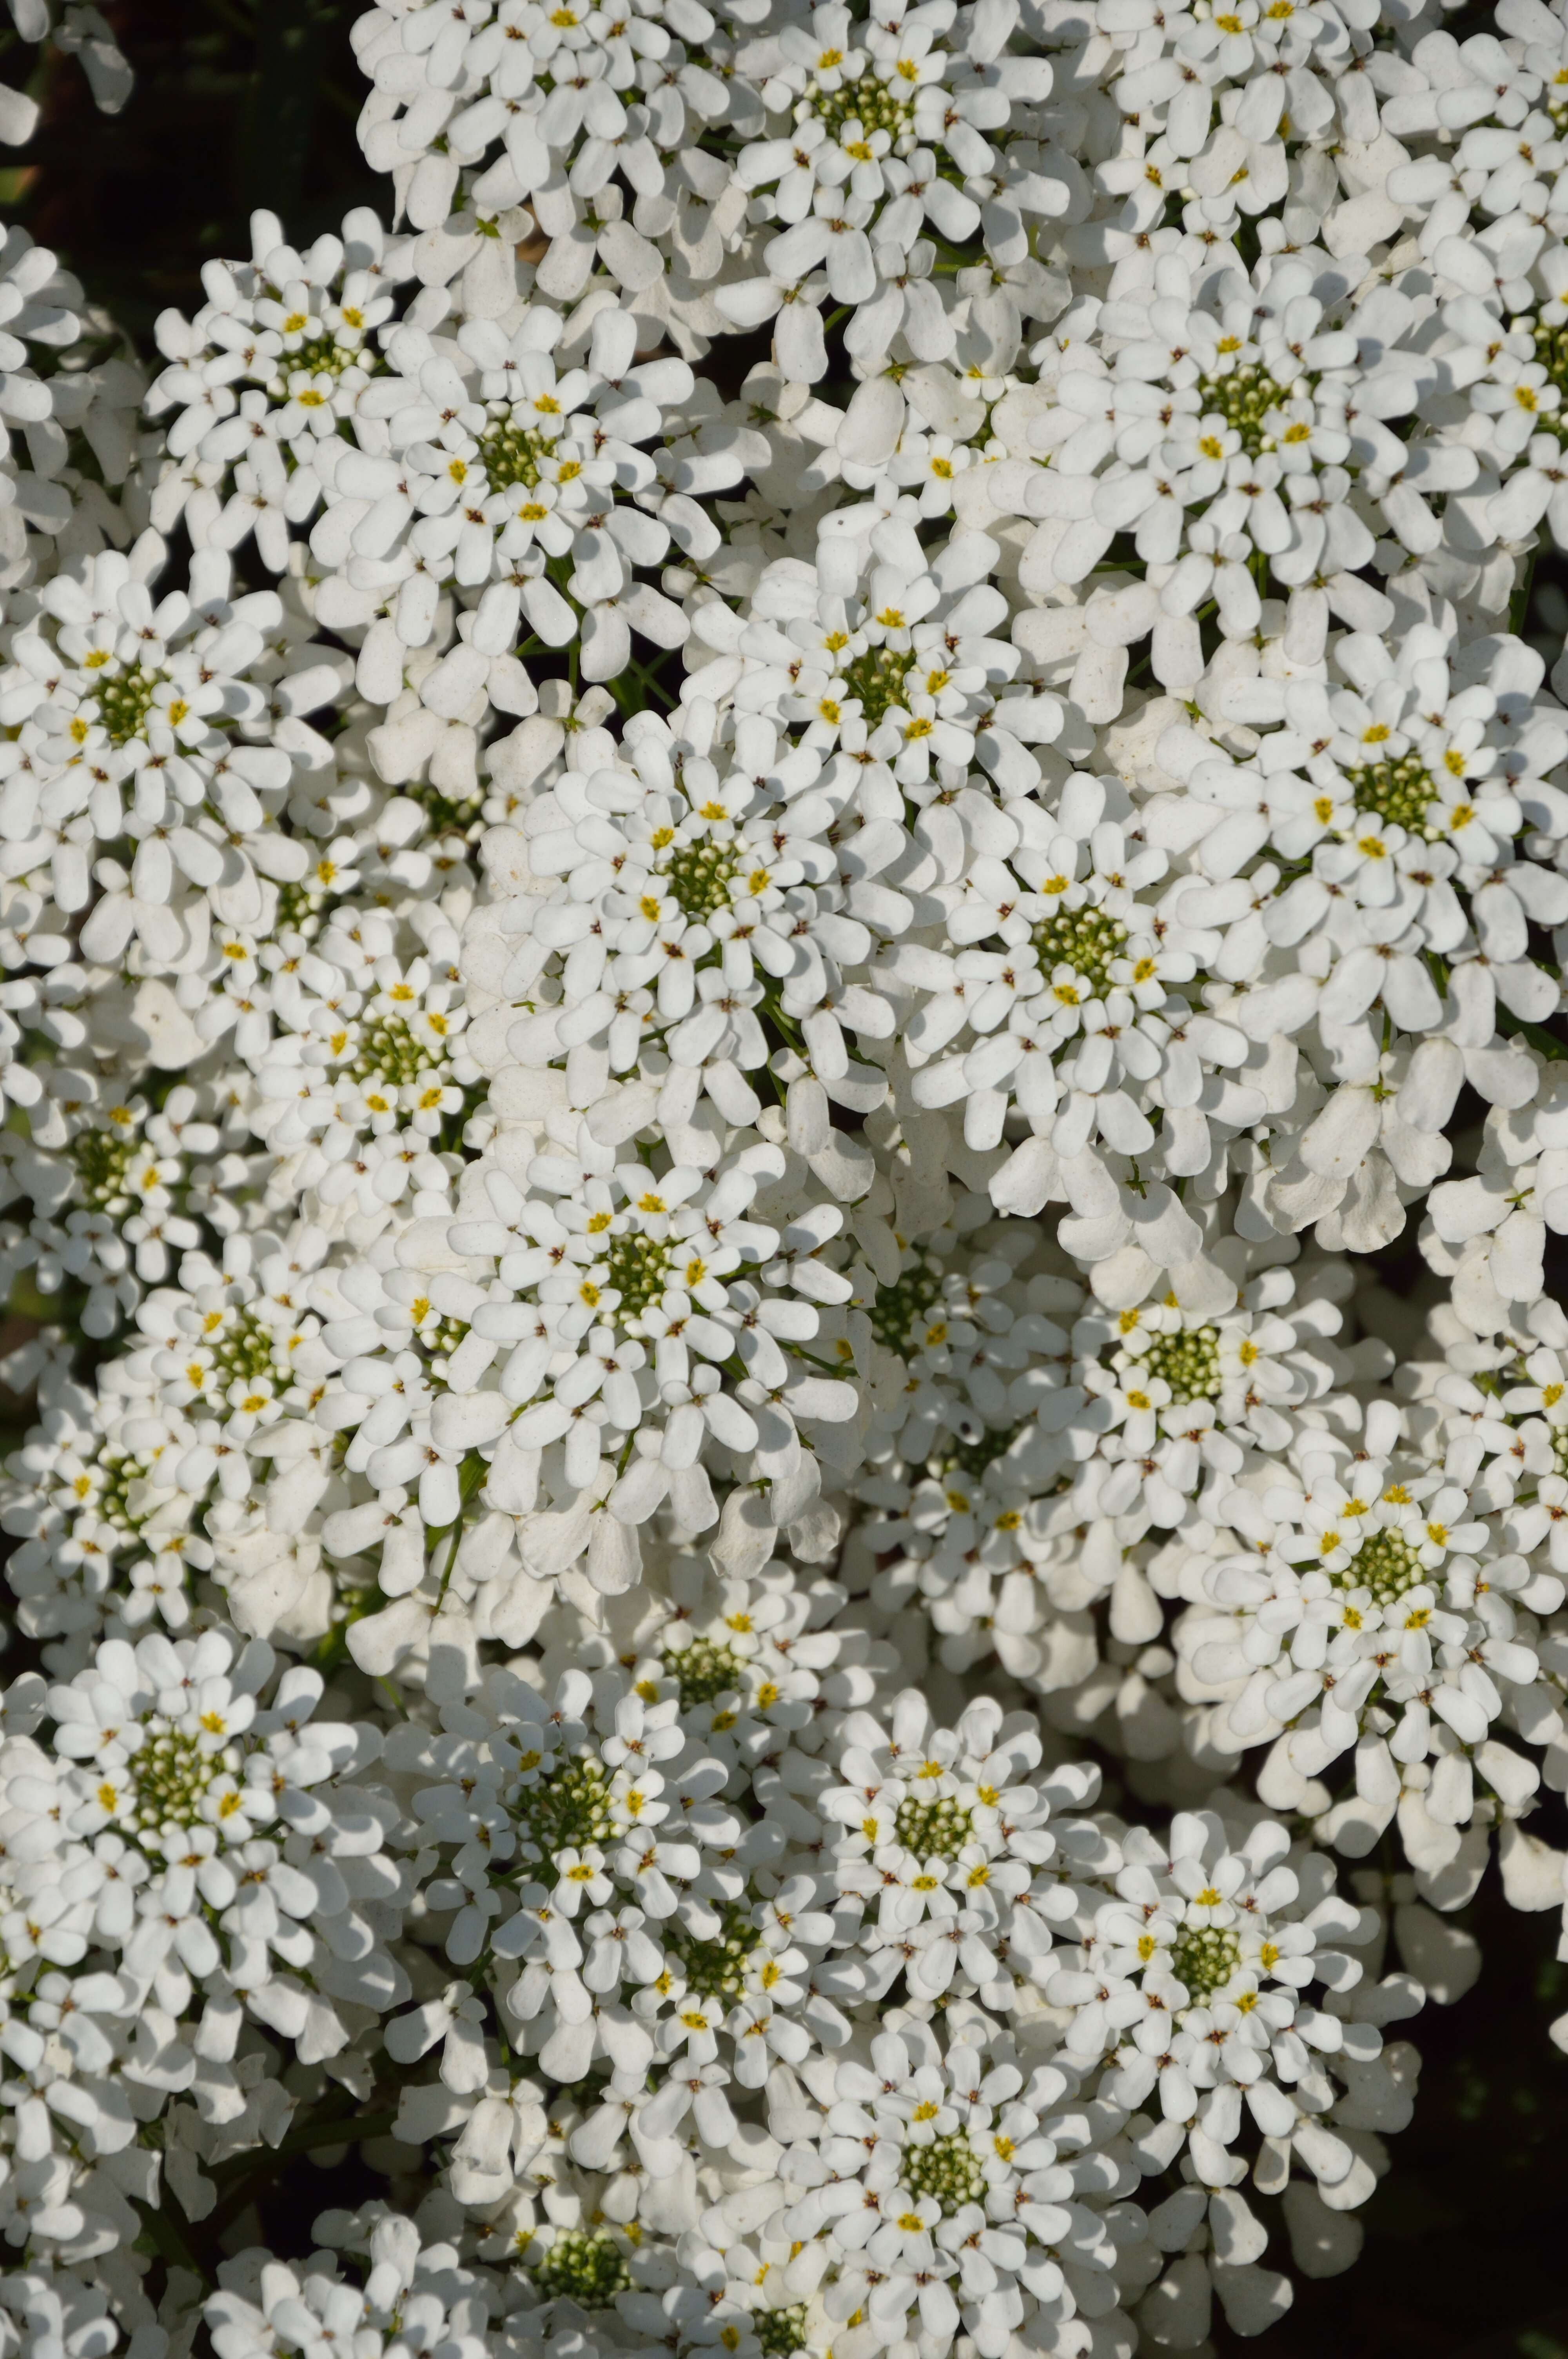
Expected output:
(179, 1862)
(782, 921)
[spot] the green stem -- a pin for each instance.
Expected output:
(167, 2227)
(470, 1479)
(1517, 1028)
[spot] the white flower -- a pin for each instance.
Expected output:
(1192, 1984)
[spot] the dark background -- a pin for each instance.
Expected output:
(238, 103)
(246, 102)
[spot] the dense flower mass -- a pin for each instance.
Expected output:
(710, 1052)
